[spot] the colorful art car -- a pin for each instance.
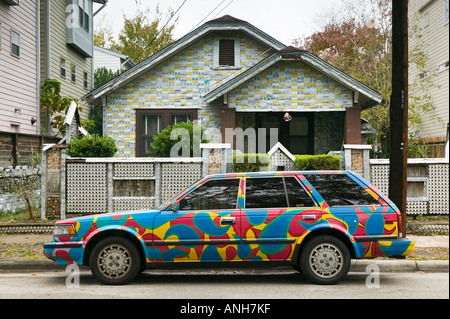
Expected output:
(315, 221)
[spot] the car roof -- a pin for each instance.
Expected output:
(273, 174)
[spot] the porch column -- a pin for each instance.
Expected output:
(353, 125)
(227, 120)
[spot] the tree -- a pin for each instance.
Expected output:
(359, 42)
(142, 37)
(22, 183)
(57, 105)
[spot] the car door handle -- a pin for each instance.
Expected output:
(309, 217)
(227, 221)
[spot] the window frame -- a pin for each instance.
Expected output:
(73, 73)
(14, 44)
(288, 206)
(350, 178)
(63, 67)
(238, 181)
(86, 80)
(166, 117)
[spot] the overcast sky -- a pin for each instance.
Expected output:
(284, 20)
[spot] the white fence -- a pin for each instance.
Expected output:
(427, 184)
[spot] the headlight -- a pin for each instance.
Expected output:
(64, 230)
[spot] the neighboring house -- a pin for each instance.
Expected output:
(434, 21)
(111, 60)
(19, 67)
(67, 47)
(229, 74)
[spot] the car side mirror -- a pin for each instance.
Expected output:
(175, 206)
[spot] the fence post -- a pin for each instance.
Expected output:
(157, 184)
(43, 182)
(109, 187)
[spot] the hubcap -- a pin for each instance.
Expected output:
(326, 260)
(114, 261)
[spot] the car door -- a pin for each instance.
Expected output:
(276, 212)
(204, 227)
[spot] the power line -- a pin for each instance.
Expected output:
(159, 32)
(223, 9)
(208, 15)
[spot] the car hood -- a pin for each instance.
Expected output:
(86, 225)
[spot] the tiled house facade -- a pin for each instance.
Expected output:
(229, 74)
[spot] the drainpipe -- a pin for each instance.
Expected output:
(47, 56)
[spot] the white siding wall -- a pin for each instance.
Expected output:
(103, 59)
(18, 75)
(436, 38)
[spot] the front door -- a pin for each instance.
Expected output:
(297, 134)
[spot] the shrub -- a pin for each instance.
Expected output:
(162, 144)
(317, 162)
(92, 146)
(249, 162)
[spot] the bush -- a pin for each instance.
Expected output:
(162, 144)
(92, 146)
(249, 162)
(317, 162)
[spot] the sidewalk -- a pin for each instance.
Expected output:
(390, 265)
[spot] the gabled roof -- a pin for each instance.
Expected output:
(225, 23)
(368, 97)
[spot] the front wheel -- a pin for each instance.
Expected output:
(325, 260)
(115, 261)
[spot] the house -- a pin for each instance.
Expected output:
(229, 74)
(433, 16)
(67, 47)
(19, 68)
(111, 60)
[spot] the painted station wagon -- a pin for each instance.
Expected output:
(313, 220)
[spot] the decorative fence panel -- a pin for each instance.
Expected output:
(104, 185)
(427, 184)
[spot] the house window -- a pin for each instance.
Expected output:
(73, 72)
(15, 43)
(226, 52)
(63, 67)
(83, 15)
(85, 78)
(150, 122)
(426, 20)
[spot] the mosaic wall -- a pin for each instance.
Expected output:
(291, 86)
(179, 82)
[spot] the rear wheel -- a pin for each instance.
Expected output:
(325, 260)
(115, 261)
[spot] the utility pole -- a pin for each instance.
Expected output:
(399, 108)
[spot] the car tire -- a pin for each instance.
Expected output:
(115, 261)
(325, 260)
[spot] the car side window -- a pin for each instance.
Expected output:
(340, 190)
(297, 195)
(265, 193)
(213, 195)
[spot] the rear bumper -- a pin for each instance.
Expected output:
(383, 247)
(65, 253)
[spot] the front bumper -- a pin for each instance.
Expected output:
(65, 253)
(383, 247)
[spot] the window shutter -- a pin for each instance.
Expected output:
(226, 52)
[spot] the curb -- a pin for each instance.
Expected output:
(356, 266)
(401, 265)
